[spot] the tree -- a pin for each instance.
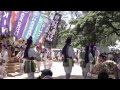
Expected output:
(96, 26)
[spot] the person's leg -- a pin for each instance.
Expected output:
(50, 64)
(84, 73)
(21, 68)
(68, 71)
(86, 70)
(31, 75)
(44, 63)
(38, 65)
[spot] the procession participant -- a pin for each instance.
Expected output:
(59, 56)
(87, 63)
(49, 57)
(97, 53)
(38, 58)
(2, 68)
(20, 56)
(68, 57)
(44, 58)
(29, 56)
(92, 51)
(92, 61)
(4, 54)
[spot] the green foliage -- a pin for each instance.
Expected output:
(100, 27)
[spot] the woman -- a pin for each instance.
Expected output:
(68, 57)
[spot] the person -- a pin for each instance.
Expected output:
(20, 56)
(29, 56)
(44, 58)
(46, 74)
(59, 56)
(38, 58)
(88, 57)
(97, 53)
(105, 65)
(68, 57)
(49, 57)
(92, 61)
(4, 54)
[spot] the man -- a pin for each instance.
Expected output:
(97, 53)
(49, 57)
(29, 56)
(69, 57)
(4, 54)
(20, 56)
(38, 58)
(46, 74)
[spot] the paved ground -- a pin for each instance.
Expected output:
(58, 72)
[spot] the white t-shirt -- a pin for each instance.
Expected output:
(97, 53)
(71, 52)
(31, 52)
(20, 54)
(91, 57)
(5, 55)
(45, 56)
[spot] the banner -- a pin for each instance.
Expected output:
(41, 39)
(1, 13)
(13, 17)
(20, 23)
(52, 30)
(31, 24)
(5, 21)
(26, 24)
(42, 31)
(37, 29)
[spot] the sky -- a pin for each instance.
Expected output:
(65, 16)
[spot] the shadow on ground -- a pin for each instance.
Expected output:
(73, 77)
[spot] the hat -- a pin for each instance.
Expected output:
(47, 72)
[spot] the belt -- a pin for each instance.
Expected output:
(69, 57)
(28, 60)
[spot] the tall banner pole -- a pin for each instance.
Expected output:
(5, 21)
(42, 31)
(1, 14)
(52, 30)
(34, 18)
(20, 23)
(35, 34)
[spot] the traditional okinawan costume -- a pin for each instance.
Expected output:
(68, 56)
(29, 56)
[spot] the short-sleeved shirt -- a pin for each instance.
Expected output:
(31, 52)
(71, 52)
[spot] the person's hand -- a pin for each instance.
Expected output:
(75, 60)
